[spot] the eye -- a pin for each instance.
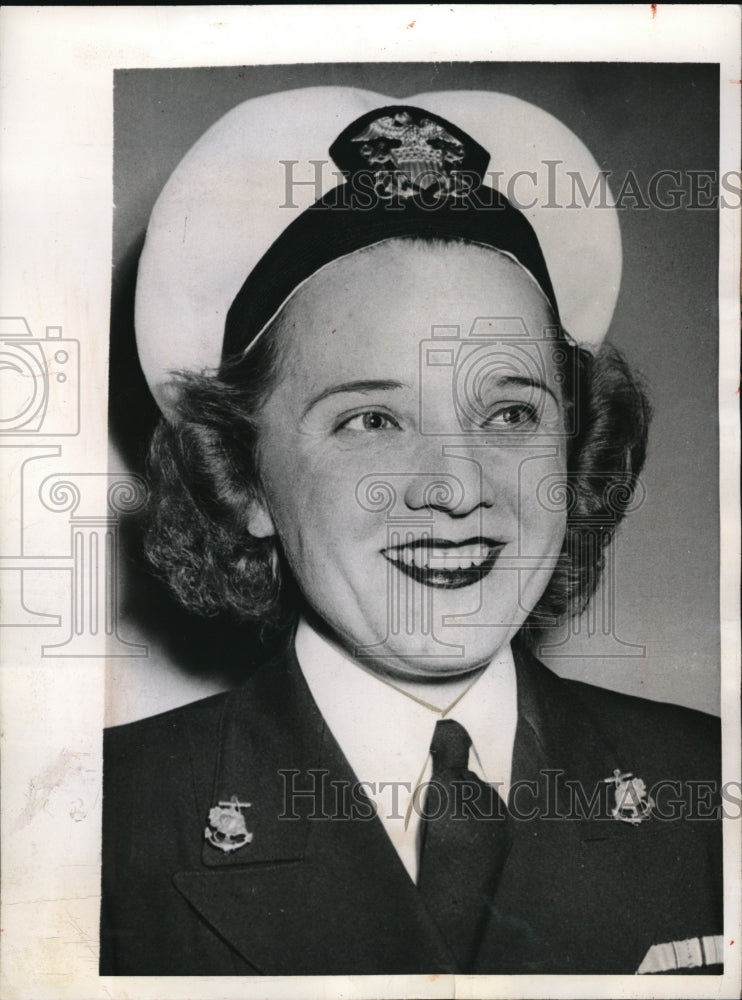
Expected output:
(369, 420)
(514, 415)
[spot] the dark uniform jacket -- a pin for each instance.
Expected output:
(581, 891)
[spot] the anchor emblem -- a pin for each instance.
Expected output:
(632, 804)
(227, 830)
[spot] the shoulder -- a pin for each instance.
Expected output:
(682, 739)
(158, 753)
(159, 731)
(584, 721)
(159, 760)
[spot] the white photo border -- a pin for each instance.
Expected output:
(56, 186)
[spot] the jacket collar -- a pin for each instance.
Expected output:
(312, 892)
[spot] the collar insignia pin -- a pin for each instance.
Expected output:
(227, 830)
(632, 804)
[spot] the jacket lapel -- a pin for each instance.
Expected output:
(565, 848)
(313, 891)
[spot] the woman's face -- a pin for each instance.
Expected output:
(412, 452)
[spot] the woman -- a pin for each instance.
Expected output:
(404, 463)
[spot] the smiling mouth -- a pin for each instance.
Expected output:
(444, 564)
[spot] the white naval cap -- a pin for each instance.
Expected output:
(218, 234)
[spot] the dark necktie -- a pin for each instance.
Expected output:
(465, 840)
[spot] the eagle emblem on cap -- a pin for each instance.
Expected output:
(227, 830)
(409, 155)
(632, 804)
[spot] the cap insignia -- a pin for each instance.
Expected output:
(408, 151)
(408, 155)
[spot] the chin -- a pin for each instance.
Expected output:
(451, 654)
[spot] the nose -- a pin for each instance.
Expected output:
(455, 485)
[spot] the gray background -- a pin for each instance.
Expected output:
(633, 117)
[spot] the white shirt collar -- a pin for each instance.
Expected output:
(384, 728)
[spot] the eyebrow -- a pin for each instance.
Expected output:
(360, 385)
(523, 380)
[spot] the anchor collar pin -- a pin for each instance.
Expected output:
(227, 830)
(632, 804)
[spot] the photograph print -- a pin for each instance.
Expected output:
(417, 363)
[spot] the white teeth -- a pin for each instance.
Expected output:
(455, 558)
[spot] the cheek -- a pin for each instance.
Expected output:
(543, 516)
(311, 507)
(540, 499)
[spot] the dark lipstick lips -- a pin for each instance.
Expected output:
(446, 579)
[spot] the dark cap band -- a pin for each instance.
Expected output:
(408, 173)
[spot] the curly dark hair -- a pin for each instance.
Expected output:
(610, 415)
(204, 475)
